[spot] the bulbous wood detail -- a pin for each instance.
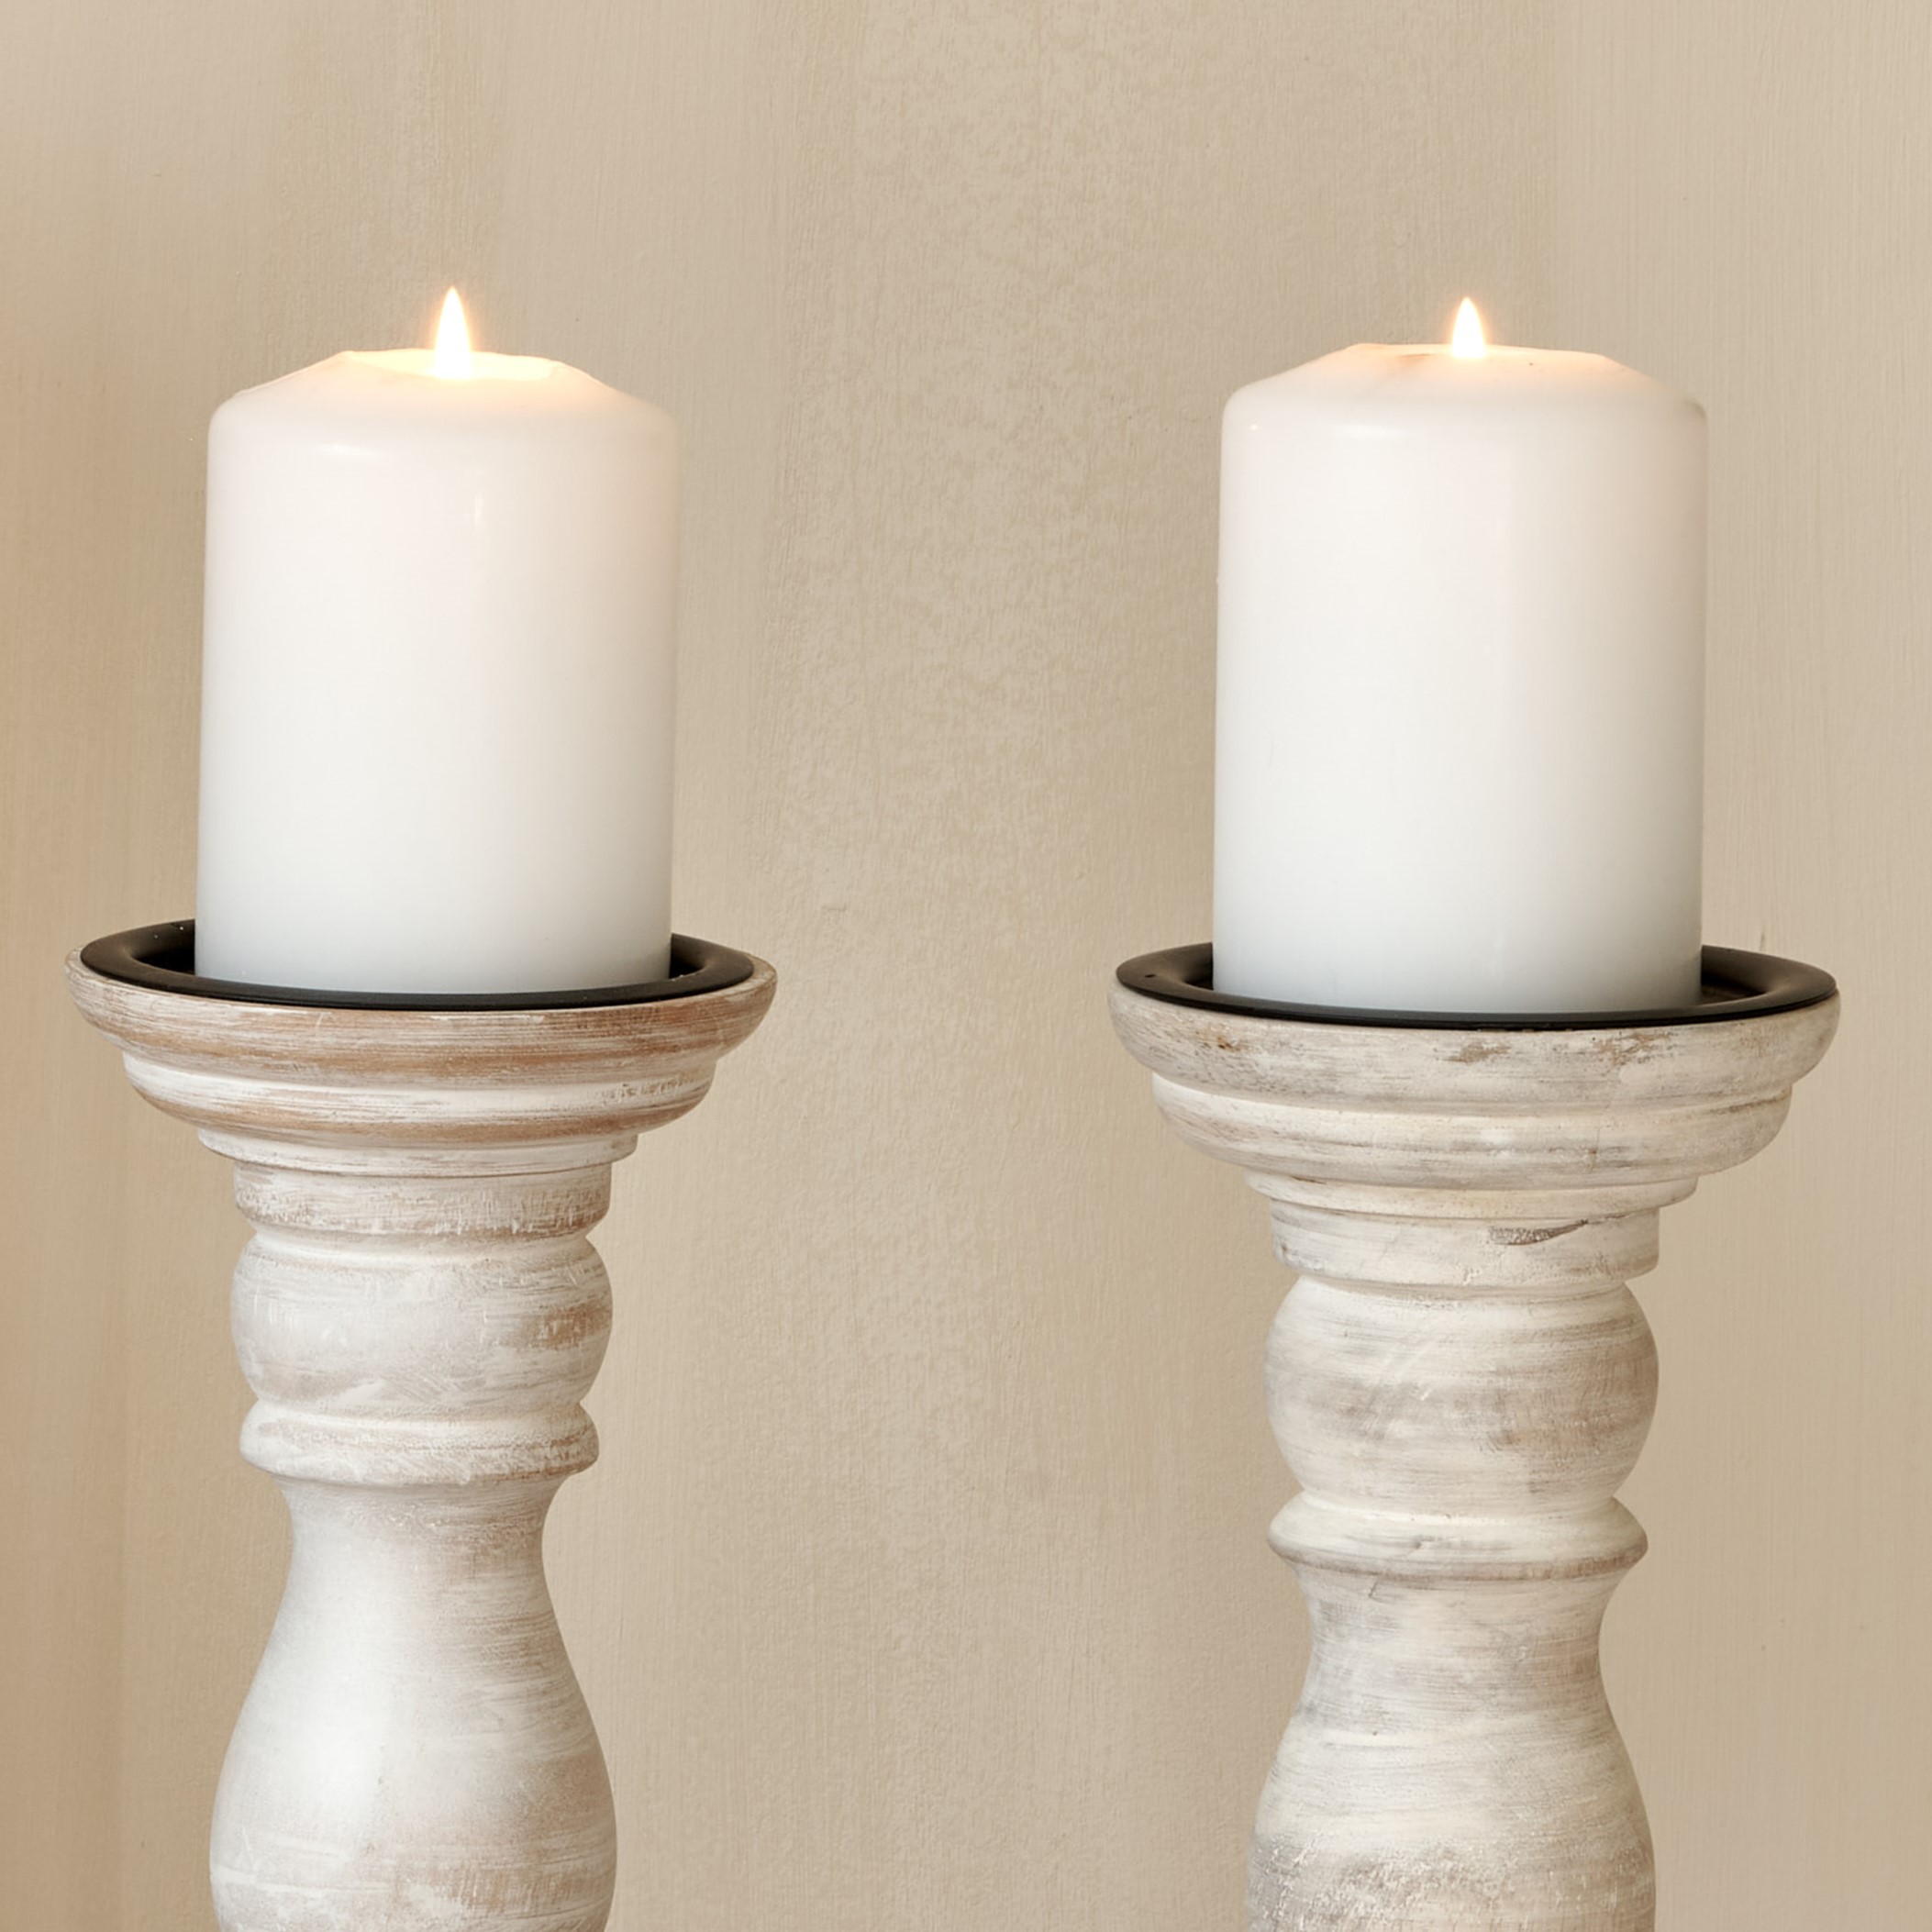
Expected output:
(421, 1314)
(1460, 1380)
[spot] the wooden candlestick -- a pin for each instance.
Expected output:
(419, 1314)
(1459, 1381)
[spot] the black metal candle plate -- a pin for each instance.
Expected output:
(1737, 985)
(162, 958)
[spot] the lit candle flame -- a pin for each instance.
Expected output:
(452, 341)
(1465, 340)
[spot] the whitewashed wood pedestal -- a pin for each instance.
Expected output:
(419, 1314)
(1460, 1380)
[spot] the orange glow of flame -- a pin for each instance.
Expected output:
(1465, 339)
(452, 341)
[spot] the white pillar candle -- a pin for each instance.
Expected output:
(437, 678)
(1459, 763)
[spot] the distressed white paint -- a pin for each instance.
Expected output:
(419, 1314)
(1459, 1381)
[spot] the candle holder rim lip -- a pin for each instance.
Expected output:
(147, 956)
(1737, 985)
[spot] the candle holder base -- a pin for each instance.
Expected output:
(419, 1314)
(1460, 1380)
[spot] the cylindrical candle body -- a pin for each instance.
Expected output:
(1459, 763)
(437, 704)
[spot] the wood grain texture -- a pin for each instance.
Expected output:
(1460, 1381)
(419, 1314)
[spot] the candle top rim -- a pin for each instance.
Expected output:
(486, 365)
(1403, 374)
(388, 388)
(1513, 356)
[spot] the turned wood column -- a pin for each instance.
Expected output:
(419, 1312)
(1459, 1381)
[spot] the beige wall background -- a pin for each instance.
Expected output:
(923, 1581)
